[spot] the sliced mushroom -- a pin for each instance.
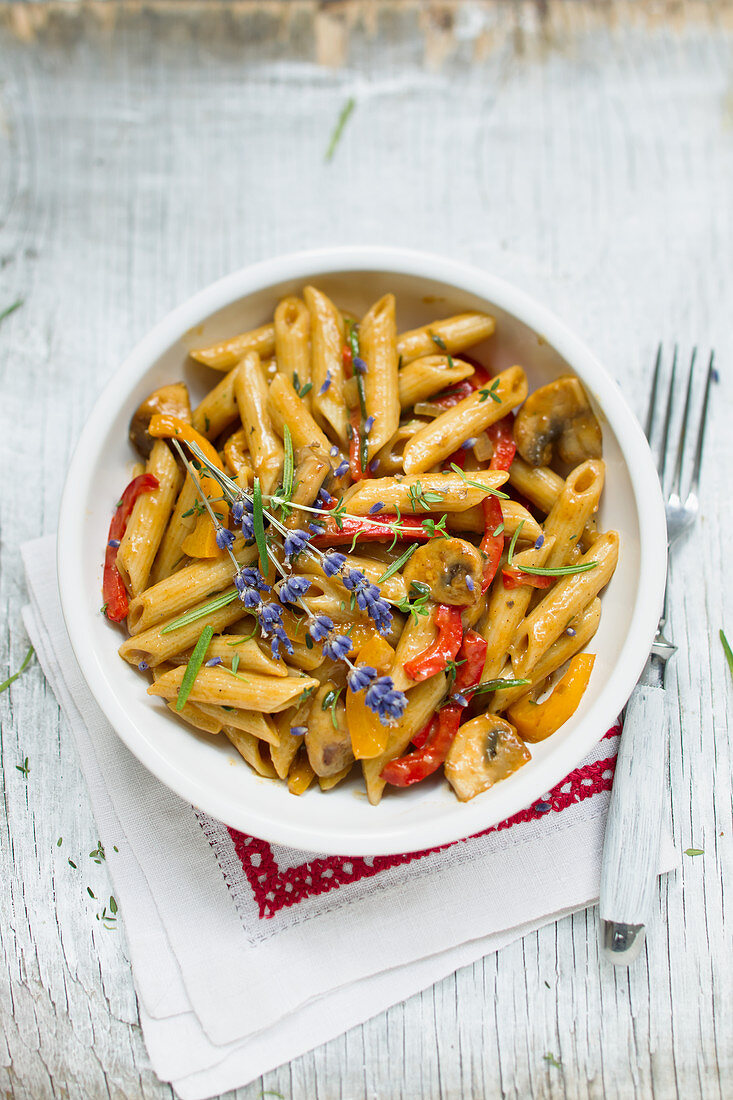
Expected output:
(327, 741)
(171, 399)
(452, 569)
(485, 750)
(558, 414)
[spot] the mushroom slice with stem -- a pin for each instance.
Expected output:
(485, 750)
(172, 400)
(452, 568)
(558, 415)
(327, 741)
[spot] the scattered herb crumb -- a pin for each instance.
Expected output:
(552, 1060)
(112, 903)
(271, 1092)
(547, 984)
(115, 848)
(11, 679)
(11, 309)
(726, 649)
(338, 130)
(59, 842)
(97, 854)
(23, 768)
(72, 864)
(694, 851)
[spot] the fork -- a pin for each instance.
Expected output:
(631, 847)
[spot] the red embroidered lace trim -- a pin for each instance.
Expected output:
(275, 889)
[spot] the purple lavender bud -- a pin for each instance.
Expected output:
(298, 731)
(292, 588)
(271, 615)
(320, 627)
(224, 538)
(316, 528)
(368, 425)
(376, 508)
(373, 466)
(342, 469)
(359, 365)
(354, 579)
(570, 631)
(337, 647)
(213, 662)
(143, 666)
(539, 542)
(360, 677)
(237, 511)
(295, 542)
(114, 543)
(280, 640)
(334, 451)
(326, 383)
(469, 582)
(248, 527)
(469, 443)
(333, 563)
(461, 700)
(324, 496)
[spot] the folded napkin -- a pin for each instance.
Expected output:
(246, 954)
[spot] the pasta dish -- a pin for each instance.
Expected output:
(363, 549)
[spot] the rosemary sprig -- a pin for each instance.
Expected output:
(397, 565)
(11, 309)
(513, 543)
(288, 466)
(559, 570)
(259, 525)
(200, 612)
(494, 685)
(194, 664)
(726, 649)
(477, 484)
(11, 679)
(343, 118)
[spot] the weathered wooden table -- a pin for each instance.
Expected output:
(586, 152)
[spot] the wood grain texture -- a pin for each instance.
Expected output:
(585, 152)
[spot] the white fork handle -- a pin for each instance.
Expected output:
(631, 849)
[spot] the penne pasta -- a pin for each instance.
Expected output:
(286, 407)
(267, 694)
(218, 410)
(265, 448)
(327, 367)
(419, 495)
(149, 519)
(227, 353)
(506, 609)
(425, 377)
(252, 750)
(152, 646)
(292, 345)
(377, 336)
(471, 416)
(171, 554)
(576, 503)
(453, 334)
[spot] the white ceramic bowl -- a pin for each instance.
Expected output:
(206, 770)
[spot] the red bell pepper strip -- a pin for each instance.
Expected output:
(114, 593)
(368, 530)
(435, 739)
(435, 657)
(491, 545)
(501, 434)
(515, 578)
(347, 357)
(455, 394)
(357, 473)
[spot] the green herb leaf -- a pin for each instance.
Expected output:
(490, 392)
(438, 341)
(559, 570)
(477, 484)
(59, 842)
(694, 851)
(726, 649)
(288, 464)
(23, 768)
(343, 118)
(306, 389)
(112, 903)
(71, 863)
(235, 663)
(330, 700)
(352, 337)
(200, 612)
(194, 664)
(552, 1060)
(513, 543)
(494, 685)
(497, 530)
(435, 530)
(259, 524)
(91, 892)
(11, 679)
(397, 565)
(11, 309)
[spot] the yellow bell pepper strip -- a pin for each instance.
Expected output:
(301, 774)
(536, 721)
(368, 735)
(201, 543)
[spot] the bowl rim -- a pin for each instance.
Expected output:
(632, 444)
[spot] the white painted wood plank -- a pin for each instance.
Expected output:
(585, 152)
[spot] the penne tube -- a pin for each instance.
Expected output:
(227, 353)
(453, 334)
(451, 492)
(576, 503)
(393, 588)
(250, 653)
(292, 344)
(512, 514)
(564, 600)
(252, 399)
(310, 472)
(301, 774)
(389, 459)
(286, 750)
(328, 782)
(424, 377)
(149, 519)
(585, 624)
(152, 646)
(506, 609)
(217, 410)
(252, 750)
(182, 522)
(173, 595)
(327, 365)
(542, 486)
(471, 416)
(195, 716)
(237, 458)
(250, 721)
(377, 341)
(249, 691)
(286, 407)
(422, 703)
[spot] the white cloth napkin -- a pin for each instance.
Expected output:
(232, 977)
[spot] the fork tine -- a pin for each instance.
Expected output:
(653, 395)
(667, 419)
(695, 482)
(677, 475)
